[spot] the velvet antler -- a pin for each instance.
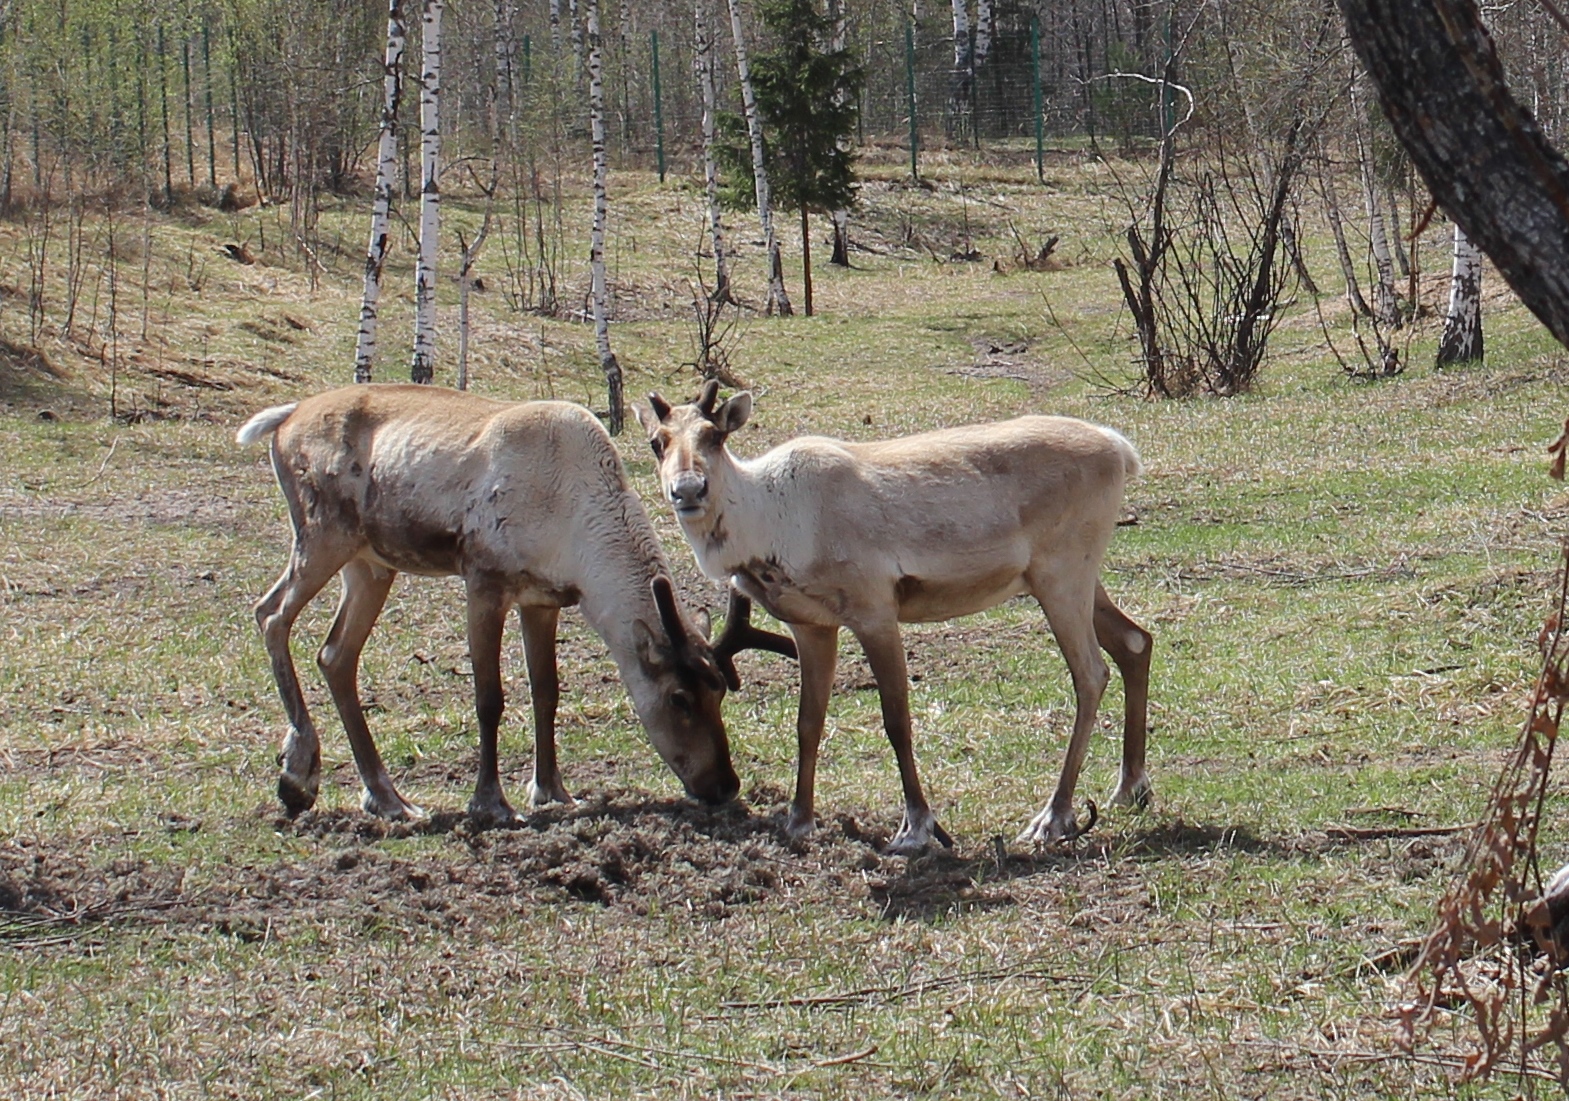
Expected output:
(739, 634)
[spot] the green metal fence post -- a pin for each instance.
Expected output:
(909, 83)
(659, 114)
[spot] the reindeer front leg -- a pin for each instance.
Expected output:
(539, 649)
(818, 650)
(487, 609)
(885, 651)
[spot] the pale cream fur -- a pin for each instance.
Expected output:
(826, 533)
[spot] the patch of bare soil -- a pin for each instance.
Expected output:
(618, 849)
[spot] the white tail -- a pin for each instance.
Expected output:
(263, 424)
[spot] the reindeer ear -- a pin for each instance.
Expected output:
(704, 623)
(733, 413)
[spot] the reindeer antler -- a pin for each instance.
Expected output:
(739, 634)
(707, 396)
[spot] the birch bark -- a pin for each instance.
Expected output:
(381, 205)
(1461, 341)
(841, 218)
(702, 61)
(778, 300)
(423, 368)
(596, 252)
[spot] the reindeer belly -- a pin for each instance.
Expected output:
(933, 599)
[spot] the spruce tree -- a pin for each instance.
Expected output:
(807, 92)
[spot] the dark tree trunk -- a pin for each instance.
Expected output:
(1481, 153)
(806, 259)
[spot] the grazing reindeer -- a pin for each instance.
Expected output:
(529, 504)
(827, 534)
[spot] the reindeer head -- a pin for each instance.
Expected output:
(689, 445)
(677, 684)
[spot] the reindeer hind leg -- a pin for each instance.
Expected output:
(365, 589)
(309, 570)
(1129, 646)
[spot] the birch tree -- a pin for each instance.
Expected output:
(596, 251)
(1386, 309)
(959, 84)
(1461, 341)
(423, 368)
(778, 300)
(381, 206)
(841, 217)
(702, 62)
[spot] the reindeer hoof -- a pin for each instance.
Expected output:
(541, 795)
(1138, 793)
(1049, 826)
(800, 825)
(296, 796)
(491, 814)
(916, 833)
(391, 806)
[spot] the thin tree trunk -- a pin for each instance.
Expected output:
(778, 300)
(1386, 310)
(596, 254)
(381, 206)
(423, 368)
(806, 259)
(702, 61)
(1462, 338)
(1326, 178)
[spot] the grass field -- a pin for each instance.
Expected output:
(1345, 582)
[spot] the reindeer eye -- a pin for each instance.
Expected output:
(657, 445)
(682, 701)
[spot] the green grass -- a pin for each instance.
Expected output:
(1345, 582)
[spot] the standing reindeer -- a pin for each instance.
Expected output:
(827, 534)
(529, 504)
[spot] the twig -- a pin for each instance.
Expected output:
(896, 993)
(101, 466)
(1373, 833)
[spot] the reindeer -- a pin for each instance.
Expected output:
(826, 534)
(530, 505)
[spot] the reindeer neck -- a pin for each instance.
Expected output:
(616, 582)
(746, 523)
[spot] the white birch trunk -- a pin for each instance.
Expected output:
(381, 206)
(841, 218)
(702, 61)
(961, 38)
(983, 31)
(778, 300)
(1462, 338)
(506, 55)
(423, 368)
(555, 27)
(1386, 309)
(596, 252)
